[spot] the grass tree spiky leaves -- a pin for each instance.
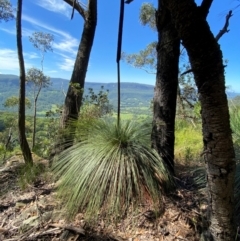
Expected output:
(112, 172)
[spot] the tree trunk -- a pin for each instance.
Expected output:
(21, 111)
(165, 92)
(34, 123)
(74, 94)
(207, 65)
(35, 115)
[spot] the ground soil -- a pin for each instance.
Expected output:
(36, 213)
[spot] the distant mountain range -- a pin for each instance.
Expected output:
(134, 96)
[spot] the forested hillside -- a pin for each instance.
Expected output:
(134, 96)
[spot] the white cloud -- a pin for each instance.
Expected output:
(67, 64)
(57, 6)
(64, 45)
(31, 55)
(40, 24)
(67, 44)
(9, 60)
(25, 32)
(10, 31)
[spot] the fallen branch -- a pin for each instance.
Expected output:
(78, 230)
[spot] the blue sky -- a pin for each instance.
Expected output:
(53, 16)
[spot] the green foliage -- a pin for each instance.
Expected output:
(29, 174)
(134, 98)
(147, 15)
(237, 191)
(146, 59)
(188, 89)
(188, 142)
(112, 171)
(76, 88)
(2, 126)
(235, 126)
(14, 101)
(235, 123)
(100, 101)
(6, 10)
(47, 132)
(37, 78)
(42, 41)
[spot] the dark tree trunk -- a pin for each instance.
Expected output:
(165, 93)
(21, 111)
(74, 94)
(207, 65)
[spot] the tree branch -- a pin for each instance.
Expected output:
(219, 35)
(205, 6)
(225, 27)
(76, 5)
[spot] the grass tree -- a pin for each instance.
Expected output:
(112, 170)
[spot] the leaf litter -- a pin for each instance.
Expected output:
(36, 213)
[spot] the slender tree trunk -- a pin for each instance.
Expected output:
(74, 94)
(35, 116)
(34, 123)
(207, 65)
(165, 92)
(21, 111)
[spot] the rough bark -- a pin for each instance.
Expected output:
(21, 111)
(74, 94)
(206, 61)
(165, 92)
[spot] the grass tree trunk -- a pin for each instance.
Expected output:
(207, 65)
(21, 111)
(74, 94)
(165, 92)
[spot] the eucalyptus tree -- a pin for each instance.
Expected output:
(165, 92)
(162, 58)
(43, 43)
(6, 10)
(21, 111)
(14, 101)
(152, 60)
(37, 80)
(74, 95)
(207, 65)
